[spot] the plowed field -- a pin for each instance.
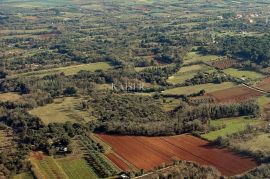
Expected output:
(264, 84)
(234, 94)
(150, 152)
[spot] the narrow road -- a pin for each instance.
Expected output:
(256, 89)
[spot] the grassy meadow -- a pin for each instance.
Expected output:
(62, 110)
(252, 75)
(231, 125)
(193, 57)
(187, 72)
(209, 87)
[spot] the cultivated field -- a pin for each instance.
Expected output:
(76, 168)
(228, 126)
(73, 167)
(155, 151)
(62, 110)
(234, 94)
(46, 167)
(69, 70)
(123, 165)
(264, 84)
(209, 87)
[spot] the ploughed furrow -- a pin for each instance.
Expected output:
(150, 152)
(224, 160)
(134, 152)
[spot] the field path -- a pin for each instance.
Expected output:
(256, 89)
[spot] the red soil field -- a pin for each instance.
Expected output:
(150, 152)
(234, 94)
(264, 84)
(117, 161)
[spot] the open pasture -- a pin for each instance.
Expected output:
(252, 75)
(187, 72)
(230, 126)
(155, 151)
(209, 87)
(234, 94)
(194, 57)
(62, 110)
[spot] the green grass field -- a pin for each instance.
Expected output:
(170, 104)
(263, 101)
(69, 70)
(139, 69)
(187, 72)
(209, 87)
(24, 176)
(232, 125)
(62, 110)
(252, 75)
(193, 57)
(9, 97)
(77, 168)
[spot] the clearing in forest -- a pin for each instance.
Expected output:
(62, 110)
(228, 126)
(187, 72)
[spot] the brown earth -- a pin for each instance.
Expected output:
(234, 94)
(150, 152)
(117, 161)
(264, 84)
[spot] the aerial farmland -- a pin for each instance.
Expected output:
(134, 89)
